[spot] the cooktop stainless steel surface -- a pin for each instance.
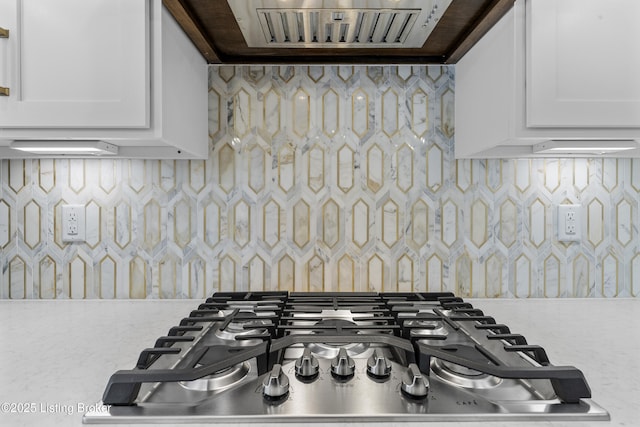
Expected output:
(278, 356)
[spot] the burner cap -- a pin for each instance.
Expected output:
(462, 376)
(220, 380)
(331, 350)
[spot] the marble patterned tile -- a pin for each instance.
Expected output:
(321, 178)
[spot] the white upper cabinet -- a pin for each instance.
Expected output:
(565, 70)
(118, 71)
(583, 63)
(75, 63)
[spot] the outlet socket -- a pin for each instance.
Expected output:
(569, 223)
(73, 220)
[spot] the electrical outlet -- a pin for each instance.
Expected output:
(73, 220)
(569, 221)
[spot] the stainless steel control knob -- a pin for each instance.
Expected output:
(343, 365)
(378, 366)
(414, 383)
(307, 365)
(276, 383)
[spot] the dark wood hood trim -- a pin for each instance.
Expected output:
(214, 31)
(189, 24)
(493, 14)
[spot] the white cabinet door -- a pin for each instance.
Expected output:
(583, 63)
(75, 63)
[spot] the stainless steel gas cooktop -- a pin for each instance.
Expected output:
(278, 356)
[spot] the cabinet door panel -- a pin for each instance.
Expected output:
(75, 63)
(584, 63)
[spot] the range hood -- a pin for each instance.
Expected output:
(340, 24)
(336, 31)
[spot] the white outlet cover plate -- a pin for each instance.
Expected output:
(68, 213)
(562, 223)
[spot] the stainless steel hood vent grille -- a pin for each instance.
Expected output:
(330, 24)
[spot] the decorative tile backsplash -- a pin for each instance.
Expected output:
(333, 178)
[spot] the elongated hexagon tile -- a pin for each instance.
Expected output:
(464, 172)
(493, 178)
(79, 281)
(301, 223)
(122, 224)
(211, 223)
(315, 165)
(419, 113)
(301, 110)
(214, 112)
(390, 113)
(93, 224)
(226, 168)
(315, 73)
(77, 175)
(286, 274)
(552, 277)
(287, 167)
(390, 223)
(168, 277)
(227, 274)
(32, 224)
(330, 113)
(419, 223)
(257, 274)
(360, 223)
(242, 120)
(581, 277)
(375, 168)
(595, 222)
(241, 227)
(17, 278)
(360, 113)
(47, 175)
(449, 228)
(405, 274)
(537, 223)
(404, 168)
(138, 286)
(107, 277)
(182, 226)
(610, 275)
(271, 223)
(331, 223)
(47, 278)
(375, 274)
(580, 174)
(17, 177)
(345, 168)
(434, 168)
(522, 170)
(479, 222)
(464, 275)
(522, 277)
(447, 113)
(346, 274)
(151, 225)
(434, 274)
(508, 223)
(314, 270)
(196, 286)
(493, 277)
(271, 112)
(624, 229)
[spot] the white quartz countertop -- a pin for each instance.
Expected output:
(56, 356)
